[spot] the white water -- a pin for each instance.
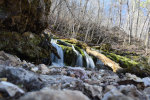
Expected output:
(79, 60)
(89, 61)
(55, 61)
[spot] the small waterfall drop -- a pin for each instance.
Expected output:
(79, 61)
(89, 61)
(55, 61)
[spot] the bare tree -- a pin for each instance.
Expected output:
(87, 17)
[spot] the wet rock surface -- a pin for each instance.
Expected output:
(42, 82)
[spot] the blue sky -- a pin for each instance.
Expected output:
(107, 6)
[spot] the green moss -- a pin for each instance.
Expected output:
(24, 47)
(80, 50)
(143, 60)
(129, 65)
(70, 56)
(75, 43)
(123, 61)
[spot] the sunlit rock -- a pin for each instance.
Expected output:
(10, 89)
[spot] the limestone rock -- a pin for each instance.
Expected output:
(133, 77)
(147, 92)
(77, 72)
(93, 91)
(30, 80)
(130, 91)
(9, 60)
(47, 94)
(59, 81)
(146, 81)
(35, 69)
(120, 98)
(113, 93)
(43, 69)
(10, 89)
(108, 88)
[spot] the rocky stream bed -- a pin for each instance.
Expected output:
(21, 80)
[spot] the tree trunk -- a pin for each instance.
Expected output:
(147, 38)
(108, 62)
(137, 21)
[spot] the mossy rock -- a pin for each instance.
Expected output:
(75, 42)
(123, 61)
(70, 56)
(24, 46)
(129, 65)
(143, 60)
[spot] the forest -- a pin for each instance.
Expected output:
(100, 17)
(74, 49)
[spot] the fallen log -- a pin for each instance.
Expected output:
(108, 62)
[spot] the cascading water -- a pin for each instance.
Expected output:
(79, 61)
(89, 61)
(55, 60)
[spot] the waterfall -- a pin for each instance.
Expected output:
(55, 61)
(89, 61)
(79, 61)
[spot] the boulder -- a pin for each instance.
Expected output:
(125, 92)
(43, 69)
(10, 89)
(9, 60)
(120, 98)
(113, 93)
(24, 15)
(147, 92)
(94, 92)
(48, 94)
(60, 81)
(20, 76)
(27, 46)
(77, 72)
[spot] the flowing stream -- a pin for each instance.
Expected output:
(79, 60)
(55, 60)
(89, 61)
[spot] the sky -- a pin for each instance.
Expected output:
(107, 5)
